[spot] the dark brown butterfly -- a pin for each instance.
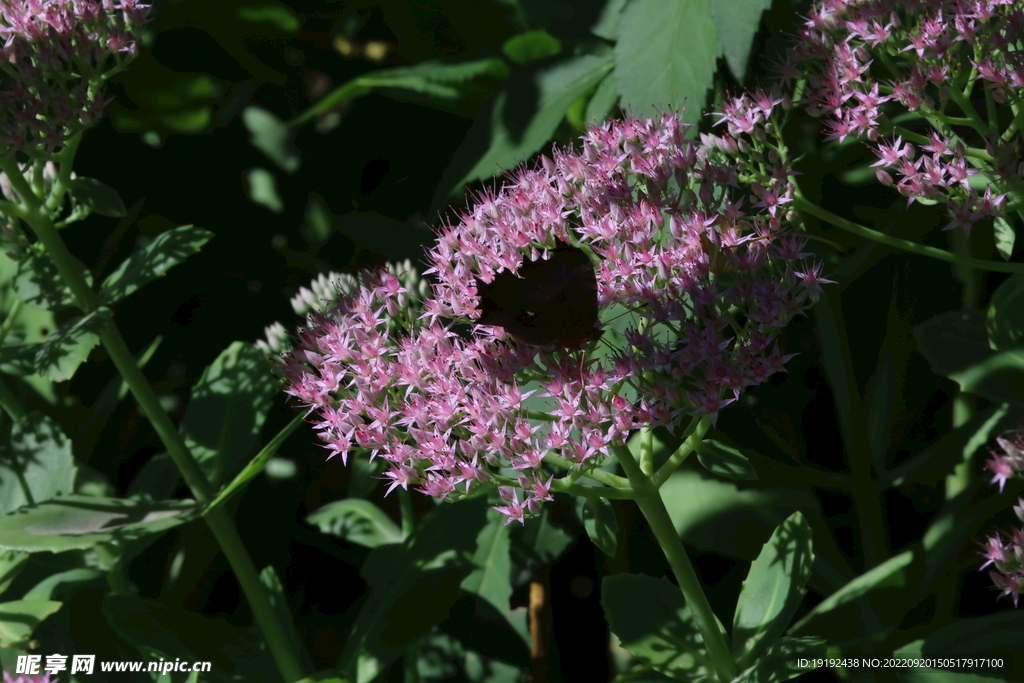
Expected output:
(551, 302)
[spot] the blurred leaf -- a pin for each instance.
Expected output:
(273, 137)
(318, 225)
(98, 196)
(64, 584)
(438, 80)
(956, 346)
(531, 45)
(725, 461)
(1005, 237)
(603, 101)
(11, 564)
(262, 188)
(607, 24)
(165, 251)
(18, 619)
(276, 14)
(432, 562)
(227, 409)
(19, 360)
(158, 631)
(157, 480)
(258, 463)
(35, 462)
(652, 622)
(598, 519)
(78, 522)
(357, 521)
(39, 284)
(1004, 319)
(994, 636)
(737, 22)
(519, 119)
(665, 56)
(773, 590)
(58, 357)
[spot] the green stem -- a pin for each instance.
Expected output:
(803, 204)
(648, 499)
(692, 437)
(220, 523)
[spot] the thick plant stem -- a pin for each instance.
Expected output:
(288, 662)
(648, 498)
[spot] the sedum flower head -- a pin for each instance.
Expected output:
(870, 65)
(695, 279)
(28, 678)
(54, 57)
(1005, 552)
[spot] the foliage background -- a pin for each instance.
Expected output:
(195, 135)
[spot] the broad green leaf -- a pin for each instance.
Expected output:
(725, 461)
(273, 137)
(665, 56)
(413, 586)
(433, 79)
(39, 284)
(598, 518)
(519, 119)
(491, 579)
(956, 346)
(227, 408)
(652, 622)
(98, 196)
(531, 45)
(35, 462)
(19, 618)
(159, 631)
(1005, 236)
(1004, 319)
(58, 357)
(357, 521)
(737, 22)
(258, 463)
(602, 102)
(78, 522)
(607, 24)
(782, 661)
(165, 251)
(261, 186)
(772, 591)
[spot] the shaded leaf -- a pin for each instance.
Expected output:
(98, 196)
(531, 45)
(357, 521)
(1004, 319)
(165, 251)
(35, 462)
(598, 518)
(39, 284)
(725, 461)
(19, 618)
(737, 22)
(273, 137)
(58, 357)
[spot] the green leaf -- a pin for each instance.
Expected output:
(519, 119)
(11, 564)
(737, 22)
(64, 584)
(35, 462)
(279, 604)
(357, 521)
(603, 101)
(725, 461)
(491, 579)
(994, 636)
(413, 586)
(773, 590)
(1004, 319)
(652, 622)
(79, 522)
(18, 619)
(261, 185)
(607, 24)
(227, 409)
(434, 79)
(531, 45)
(273, 137)
(1005, 237)
(665, 56)
(782, 661)
(598, 518)
(58, 357)
(158, 631)
(165, 251)
(257, 464)
(98, 196)
(278, 15)
(39, 284)
(956, 346)
(19, 360)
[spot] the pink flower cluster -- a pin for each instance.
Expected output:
(693, 287)
(870, 65)
(28, 678)
(1006, 554)
(54, 54)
